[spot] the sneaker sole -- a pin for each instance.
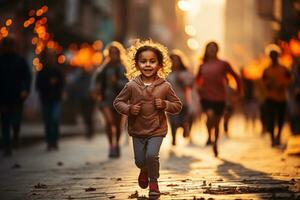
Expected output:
(154, 194)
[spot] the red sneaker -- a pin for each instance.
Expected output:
(143, 179)
(153, 189)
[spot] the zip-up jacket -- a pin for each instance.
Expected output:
(150, 121)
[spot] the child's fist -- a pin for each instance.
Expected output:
(160, 104)
(135, 109)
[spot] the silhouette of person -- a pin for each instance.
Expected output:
(15, 82)
(50, 83)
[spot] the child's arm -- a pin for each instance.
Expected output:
(173, 103)
(121, 101)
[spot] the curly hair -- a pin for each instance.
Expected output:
(137, 48)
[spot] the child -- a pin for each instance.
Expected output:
(145, 99)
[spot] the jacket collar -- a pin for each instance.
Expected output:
(140, 82)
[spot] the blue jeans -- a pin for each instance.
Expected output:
(146, 155)
(51, 114)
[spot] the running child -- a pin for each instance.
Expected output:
(145, 99)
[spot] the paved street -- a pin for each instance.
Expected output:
(247, 169)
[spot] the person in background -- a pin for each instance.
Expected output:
(182, 81)
(15, 83)
(49, 84)
(250, 102)
(211, 80)
(276, 79)
(79, 97)
(294, 94)
(107, 81)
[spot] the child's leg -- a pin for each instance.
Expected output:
(139, 148)
(152, 157)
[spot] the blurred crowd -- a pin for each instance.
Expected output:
(273, 99)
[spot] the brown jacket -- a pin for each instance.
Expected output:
(150, 121)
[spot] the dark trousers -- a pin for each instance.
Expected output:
(275, 114)
(17, 120)
(11, 117)
(51, 114)
(177, 121)
(86, 110)
(6, 124)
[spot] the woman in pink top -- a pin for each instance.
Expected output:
(211, 81)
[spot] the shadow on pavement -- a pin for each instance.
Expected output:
(179, 163)
(248, 181)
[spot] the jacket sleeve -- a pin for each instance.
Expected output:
(121, 101)
(173, 103)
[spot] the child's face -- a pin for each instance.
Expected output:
(148, 63)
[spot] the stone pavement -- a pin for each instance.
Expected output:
(247, 169)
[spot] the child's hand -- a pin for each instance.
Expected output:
(135, 109)
(160, 104)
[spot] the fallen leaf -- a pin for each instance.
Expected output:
(201, 198)
(90, 189)
(40, 186)
(16, 166)
(172, 185)
(134, 195)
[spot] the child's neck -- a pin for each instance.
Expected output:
(149, 80)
